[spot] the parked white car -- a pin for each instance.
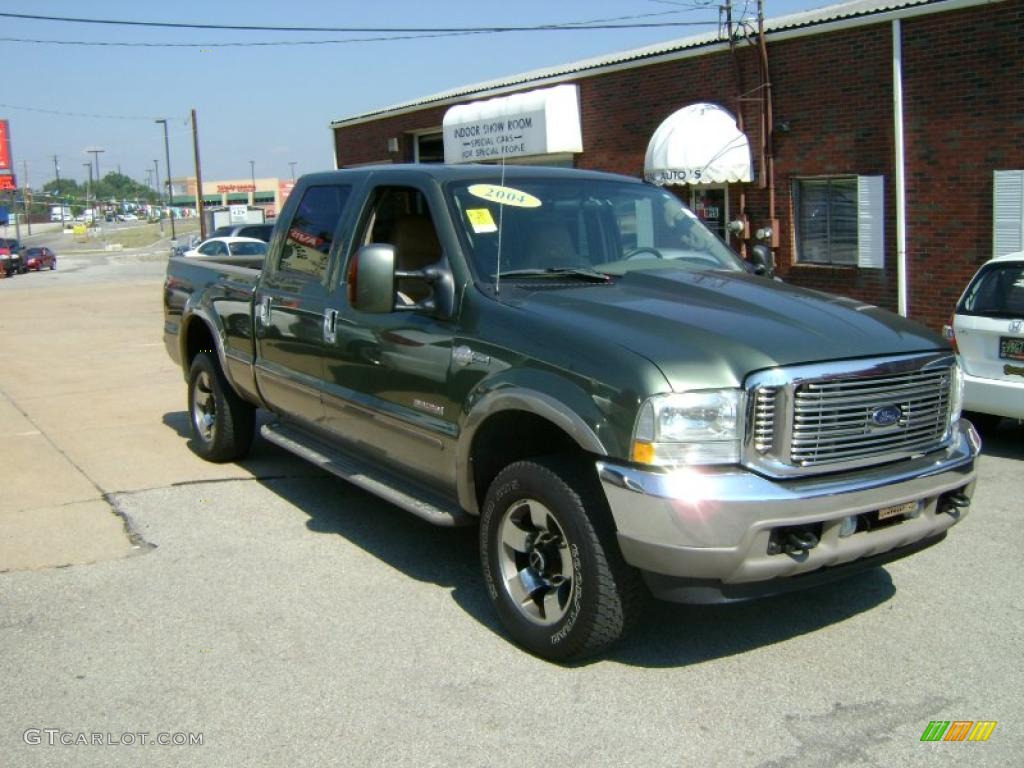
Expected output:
(229, 246)
(988, 334)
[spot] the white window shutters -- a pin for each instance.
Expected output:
(871, 222)
(1007, 212)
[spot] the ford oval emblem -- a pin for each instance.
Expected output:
(886, 416)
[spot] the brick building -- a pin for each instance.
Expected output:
(888, 137)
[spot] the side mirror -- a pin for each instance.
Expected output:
(371, 279)
(763, 260)
(372, 284)
(441, 302)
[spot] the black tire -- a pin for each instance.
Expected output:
(577, 596)
(222, 423)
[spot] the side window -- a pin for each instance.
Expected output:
(400, 216)
(213, 248)
(310, 233)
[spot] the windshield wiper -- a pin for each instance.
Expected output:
(582, 273)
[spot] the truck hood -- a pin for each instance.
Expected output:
(712, 329)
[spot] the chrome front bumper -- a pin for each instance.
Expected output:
(715, 525)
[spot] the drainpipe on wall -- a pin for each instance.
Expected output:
(901, 191)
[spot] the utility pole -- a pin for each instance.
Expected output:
(199, 178)
(252, 174)
(167, 154)
(88, 188)
(96, 156)
(292, 164)
(25, 191)
(60, 202)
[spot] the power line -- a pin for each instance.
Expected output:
(248, 44)
(74, 114)
(597, 24)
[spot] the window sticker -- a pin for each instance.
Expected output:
(481, 221)
(504, 195)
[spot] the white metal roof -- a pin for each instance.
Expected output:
(862, 11)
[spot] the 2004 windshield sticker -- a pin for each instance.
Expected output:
(504, 195)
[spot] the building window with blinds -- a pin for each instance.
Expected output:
(840, 220)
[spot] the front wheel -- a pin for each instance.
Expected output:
(222, 423)
(551, 563)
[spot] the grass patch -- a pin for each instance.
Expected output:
(147, 234)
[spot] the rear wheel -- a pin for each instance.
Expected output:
(222, 423)
(551, 563)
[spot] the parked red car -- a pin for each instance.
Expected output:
(37, 258)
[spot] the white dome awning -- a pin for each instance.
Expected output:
(699, 144)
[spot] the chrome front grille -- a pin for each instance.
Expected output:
(812, 419)
(764, 419)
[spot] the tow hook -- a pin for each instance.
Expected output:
(798, 544)
(952, 504)
(794, 541)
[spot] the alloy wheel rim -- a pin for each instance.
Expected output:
(535, 562)
(204, 407)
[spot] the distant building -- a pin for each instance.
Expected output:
(876, 145)
(268, 194)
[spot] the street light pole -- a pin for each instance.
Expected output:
(252, 174)
(156, 187)
(292, 164)
(167, 153)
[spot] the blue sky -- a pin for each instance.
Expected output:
(271, 104)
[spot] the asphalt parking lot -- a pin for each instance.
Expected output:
(283, 617)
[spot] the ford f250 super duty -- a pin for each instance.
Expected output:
(573, 362)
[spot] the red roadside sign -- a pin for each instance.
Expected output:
(5, 146)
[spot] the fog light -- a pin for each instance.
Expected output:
(848, 526)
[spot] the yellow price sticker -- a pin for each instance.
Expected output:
(504, 195)
(481, 221)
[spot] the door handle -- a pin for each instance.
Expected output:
(330, 325)
(265, 305)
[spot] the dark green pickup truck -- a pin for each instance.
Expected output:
(572, 361)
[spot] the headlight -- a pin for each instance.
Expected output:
(686, 428)
(956, 396)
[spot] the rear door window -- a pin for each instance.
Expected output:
(310, 233)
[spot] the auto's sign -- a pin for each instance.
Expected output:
(5, 146)
(8, 182)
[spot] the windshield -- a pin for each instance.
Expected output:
(584, 225)
(997, 291)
